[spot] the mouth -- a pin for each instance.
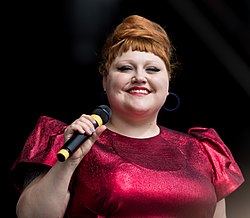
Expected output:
(145, 92)
(142, 91)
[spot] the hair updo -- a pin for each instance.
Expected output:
(139, 34)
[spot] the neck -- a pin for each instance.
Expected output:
(136, 129)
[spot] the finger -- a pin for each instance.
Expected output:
(90, 118)
(83, 124)
(86, 124)
(85, 147)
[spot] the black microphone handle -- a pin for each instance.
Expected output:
(101, 115)
(72, 144)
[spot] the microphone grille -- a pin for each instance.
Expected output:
(104, 112)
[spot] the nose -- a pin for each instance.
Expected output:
(139, 77)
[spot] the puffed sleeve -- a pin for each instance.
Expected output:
(40, 148)
(227, 175)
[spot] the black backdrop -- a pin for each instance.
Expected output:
(51, 51)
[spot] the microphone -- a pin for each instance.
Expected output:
(101, 115)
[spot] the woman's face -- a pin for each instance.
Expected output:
(137, 82)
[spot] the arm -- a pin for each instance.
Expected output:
(48, 194)
(220, 210)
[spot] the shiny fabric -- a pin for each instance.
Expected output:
(171, 175)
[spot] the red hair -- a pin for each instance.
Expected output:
(139, 34)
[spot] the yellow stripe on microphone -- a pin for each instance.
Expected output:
(63, 154)
(98, 119)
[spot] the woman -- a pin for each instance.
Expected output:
(130, 167)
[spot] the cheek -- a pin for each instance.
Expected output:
(113, 91)
(112, 86)
(162, 88)
(161, 84)
(116, 83)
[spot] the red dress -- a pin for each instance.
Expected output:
(171, 175)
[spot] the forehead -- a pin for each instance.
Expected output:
(138, 56)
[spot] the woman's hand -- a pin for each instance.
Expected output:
(83, 125)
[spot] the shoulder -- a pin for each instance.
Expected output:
(227, 175)
(43, 142)
(195, 135)
(180, 136)
(202, 133)
(207, 139)
(50, 123)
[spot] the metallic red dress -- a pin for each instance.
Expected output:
(171, 175)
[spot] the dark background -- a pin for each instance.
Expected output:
(50, 58)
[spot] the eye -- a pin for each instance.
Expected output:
(152, 69)
(124, 68)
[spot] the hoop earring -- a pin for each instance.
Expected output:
(174, 100)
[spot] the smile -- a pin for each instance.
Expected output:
(140, 91)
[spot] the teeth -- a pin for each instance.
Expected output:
(139, 91)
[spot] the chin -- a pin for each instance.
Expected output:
(138, 108)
